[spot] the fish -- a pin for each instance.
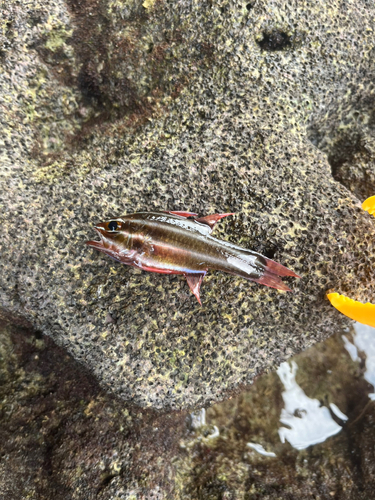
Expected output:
(177, 242)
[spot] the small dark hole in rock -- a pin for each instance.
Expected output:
(89, 85)
(270, 253)
(276, 40)
(105, 481)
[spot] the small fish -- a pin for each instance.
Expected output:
(181, 243)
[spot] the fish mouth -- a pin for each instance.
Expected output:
(102, 245)
(95, 244)
(99, 245)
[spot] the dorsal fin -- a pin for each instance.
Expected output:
(211, 220)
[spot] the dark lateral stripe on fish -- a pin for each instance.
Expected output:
(180, 243)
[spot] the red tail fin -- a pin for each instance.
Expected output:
(279, 269)
(273, 281)
(272, 273)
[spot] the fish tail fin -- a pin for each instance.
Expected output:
(272, 274)
(256, 267)
(278, 269)
(273, 281)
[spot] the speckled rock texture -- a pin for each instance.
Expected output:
(114, 107)
(63, 437)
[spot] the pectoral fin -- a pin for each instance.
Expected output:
(211, 220)
(194, 282)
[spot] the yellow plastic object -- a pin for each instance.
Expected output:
(369, 205)
(363, 313)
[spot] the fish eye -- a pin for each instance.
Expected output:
(113, 225)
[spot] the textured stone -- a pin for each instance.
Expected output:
(110, 108)
(341, 466)
(63, 437)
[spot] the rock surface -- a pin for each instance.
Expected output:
(63, 437)
(111, 107)
(340, 466)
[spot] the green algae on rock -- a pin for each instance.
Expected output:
(198, 107)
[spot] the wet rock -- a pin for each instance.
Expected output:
(341, 466)
(63, 437)
(110, 108)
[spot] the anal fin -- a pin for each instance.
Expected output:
(211, 220)
(194, 281)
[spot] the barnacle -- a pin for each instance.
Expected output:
(363, 313)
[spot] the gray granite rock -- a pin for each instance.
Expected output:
(112, 108)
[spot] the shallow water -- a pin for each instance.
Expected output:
(305, 431)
